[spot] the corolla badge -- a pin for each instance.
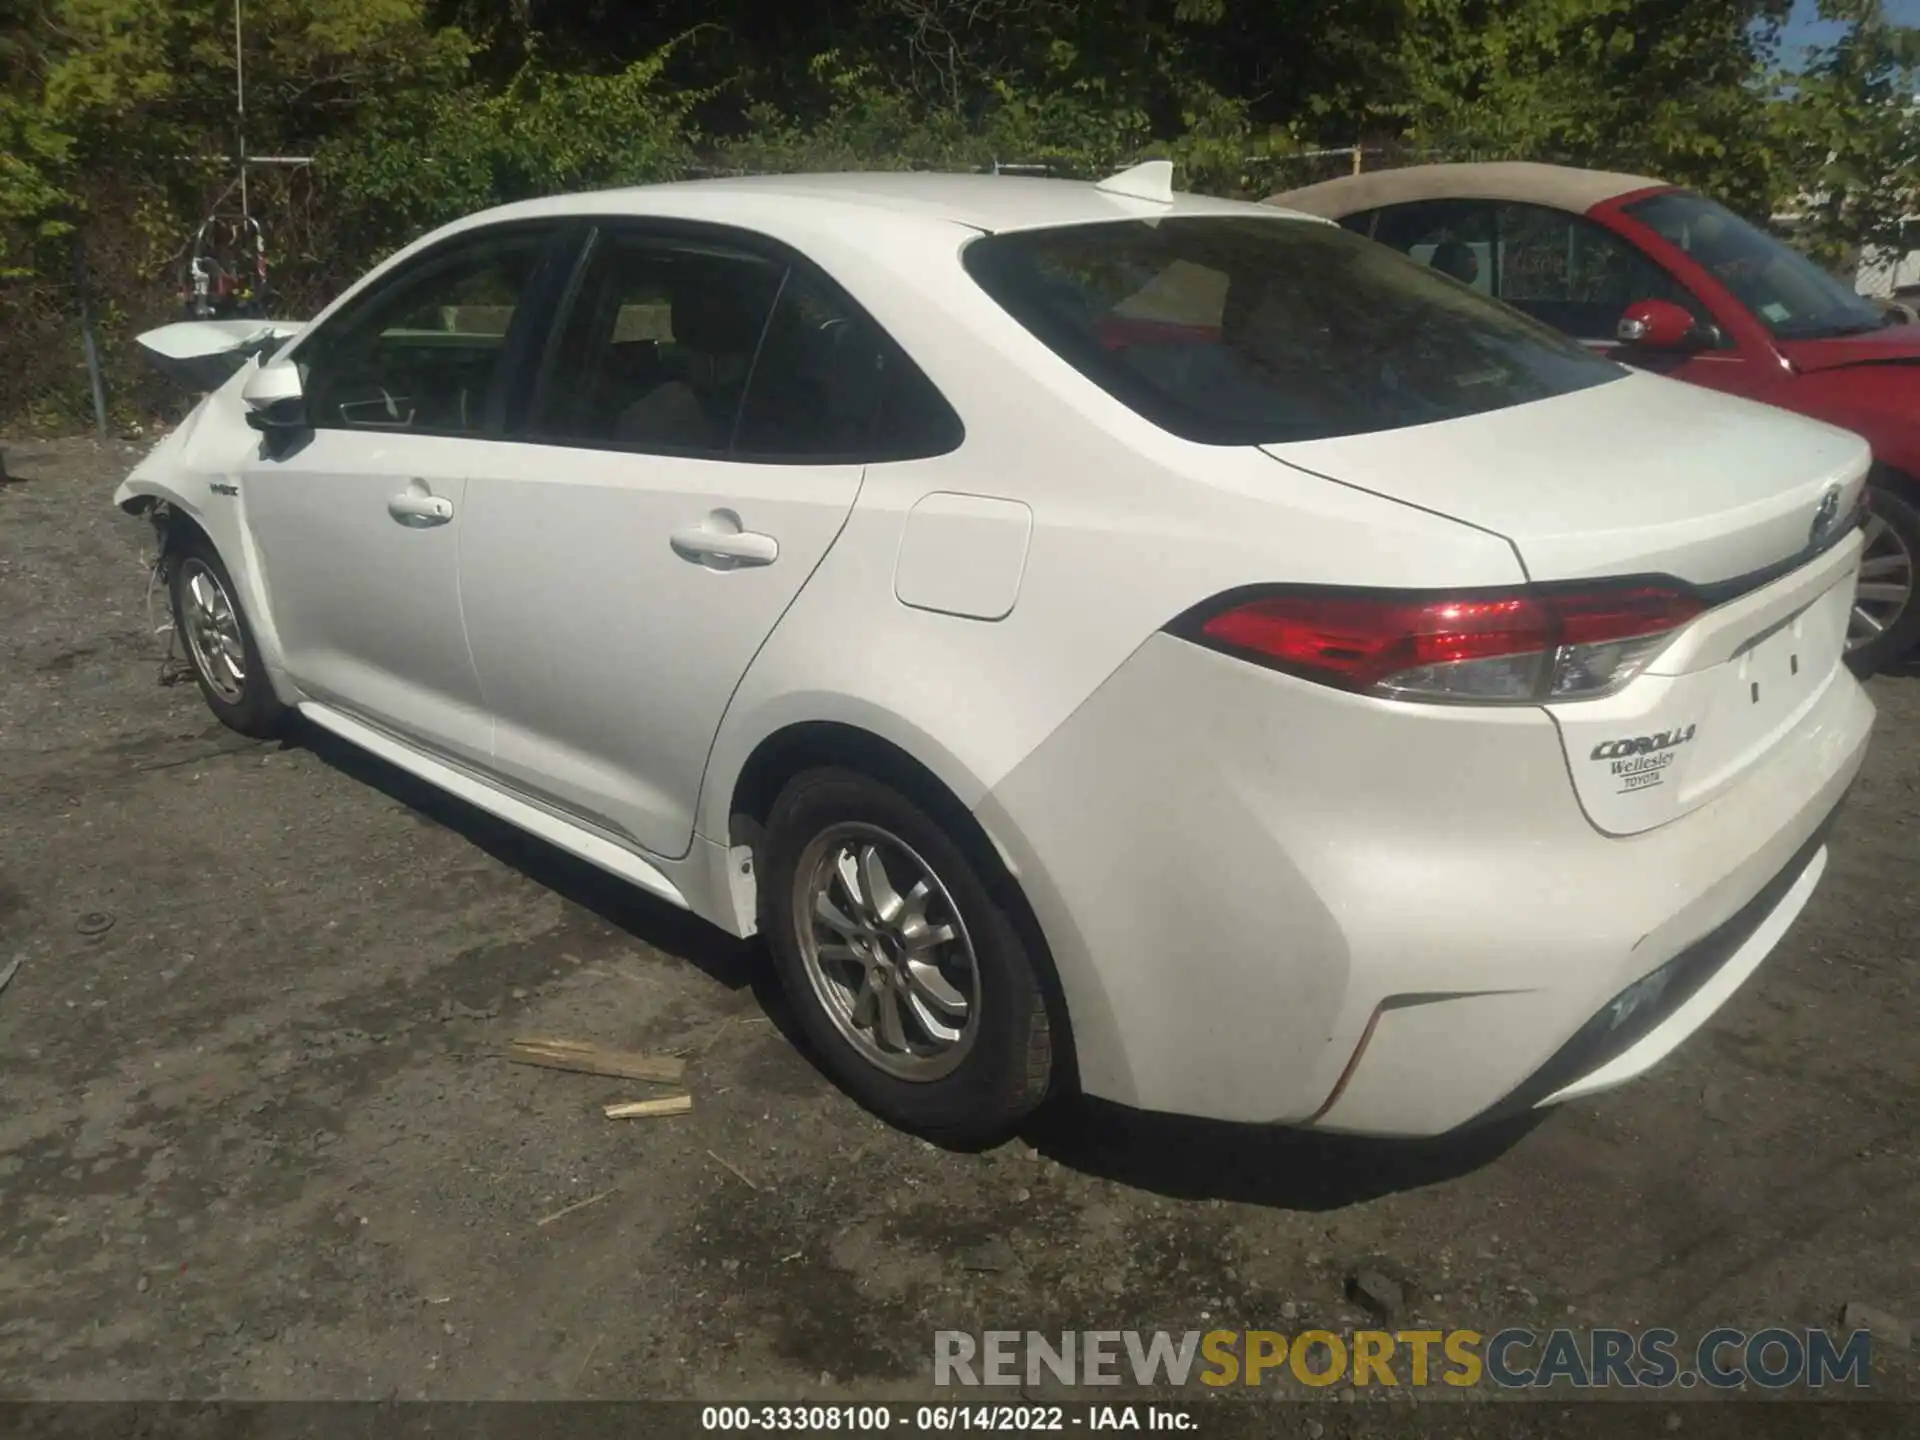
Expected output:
(1825, 516)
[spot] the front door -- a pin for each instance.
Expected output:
(1581, 277)
(693, 451)
(1565, 270)
(359, 523)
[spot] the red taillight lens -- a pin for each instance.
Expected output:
(1362, 641)
(1624, 612)
(1517, 645)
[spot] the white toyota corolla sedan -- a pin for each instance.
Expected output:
(1103, 638)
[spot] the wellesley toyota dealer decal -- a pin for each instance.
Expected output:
(1641, 761)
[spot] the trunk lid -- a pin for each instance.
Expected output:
(1639, 476)
(1740, 681)
(1644, 476)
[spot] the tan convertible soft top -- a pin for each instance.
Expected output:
(1560, 186)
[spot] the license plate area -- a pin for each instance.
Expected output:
(1766, 687)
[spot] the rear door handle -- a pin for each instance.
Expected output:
(418, 506)
(721, 544)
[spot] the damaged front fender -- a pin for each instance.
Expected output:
(160, 477)
(204, 355)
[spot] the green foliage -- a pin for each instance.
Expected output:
(438, 155)
(34, 153)
(118, 124)
(131, 76)
(33, 203)
(129, 105)
(1848, 130)
(420, 110)
(1661, 87)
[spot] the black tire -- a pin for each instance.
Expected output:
(1896, 507)
(248, 704)
(1004, 1071)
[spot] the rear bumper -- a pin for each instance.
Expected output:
(1272, 902)
(1647, 1021)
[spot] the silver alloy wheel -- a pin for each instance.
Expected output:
(212, 626)
(886, 951)
(1886, 584)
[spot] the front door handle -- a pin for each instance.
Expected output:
(418, 506)
(720, 543)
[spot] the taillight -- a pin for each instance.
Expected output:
(1522, 646)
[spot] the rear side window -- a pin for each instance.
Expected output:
(688, 346)
(829, 384)
(1360, 222)
(1246, 331)
(657, 348)
(1454, 237)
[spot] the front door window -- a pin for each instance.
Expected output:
(1575, 275)
(423, 354)
(1563, 269)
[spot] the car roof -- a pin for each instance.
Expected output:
(980, 202)
(1560, 186)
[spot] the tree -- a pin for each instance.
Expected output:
(413, 165)
(34, 152)
(118, 116)
(1848, 127)
(1672, 88)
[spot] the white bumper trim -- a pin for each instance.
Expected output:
(1699, 1007)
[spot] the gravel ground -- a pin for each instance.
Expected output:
(257, 1141)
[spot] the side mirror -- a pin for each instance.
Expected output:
(1662, 325)
(274, 401)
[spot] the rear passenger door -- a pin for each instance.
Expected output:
(692, 447)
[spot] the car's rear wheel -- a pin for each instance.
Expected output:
(1886, 623)
(907, 973)
(219, 642)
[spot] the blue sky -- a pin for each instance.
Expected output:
(1806, 28)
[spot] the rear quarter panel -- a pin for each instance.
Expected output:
(1130, 527)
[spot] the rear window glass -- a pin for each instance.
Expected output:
(1246, 331)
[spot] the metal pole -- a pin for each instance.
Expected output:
(240, 107)
(87, 342)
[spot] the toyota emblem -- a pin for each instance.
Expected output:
(1825, 515)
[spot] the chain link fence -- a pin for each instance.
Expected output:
(70, 362)
(1275, 174)
(51, 378)
(68, 358)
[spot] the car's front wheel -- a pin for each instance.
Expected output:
(904, 968)
(219, 642)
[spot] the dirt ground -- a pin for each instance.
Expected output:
(257, 1140)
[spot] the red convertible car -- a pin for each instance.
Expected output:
(1667, 280)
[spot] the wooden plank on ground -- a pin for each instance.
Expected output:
(584, 1058)
(645, 1109)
